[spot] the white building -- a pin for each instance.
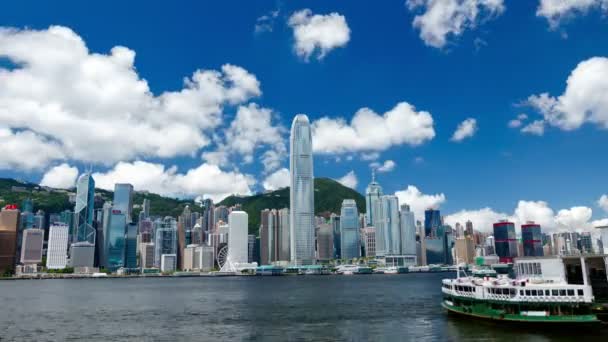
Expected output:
(301, 193)
(168, 262)
(238, 250)
(31, 247)
(146, 255)
(57, 250)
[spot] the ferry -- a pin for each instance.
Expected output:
(353, 269)
(387, 270)
(544, 290)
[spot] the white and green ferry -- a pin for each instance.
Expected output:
(544, 290)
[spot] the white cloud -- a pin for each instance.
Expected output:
(61, 177)
(603, 202)
(537, 127)
(442, 19)
(318, 33)
(265, 23)
(206, 180)
(94, 107)
(575, 218)
(277, 180)
(369, 132)
(465, 129)
(583, 101)
(418, 201)
(26, 150)
(370, 156)
(555, 11)
(387, 166)
(349, 180)
(518, 122)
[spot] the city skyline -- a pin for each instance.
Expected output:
(443, 80)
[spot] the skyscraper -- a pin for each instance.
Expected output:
(334, 220)
(407, 223)
(123, 199)
(9, 221)
(301, 193)
(85, 196)
(432, 220)
(284, 244)
(386, 222)
(131, 246)
(349, 230)
(369, 234)
(57, 251)
(165, 239)
(146, 208)
(532, 239)
(269, 233)
(325, 243)
(505, 241)
(237, 242)
(31, 248)
(115, 240)
(372, 193)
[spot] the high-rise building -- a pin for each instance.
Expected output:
(146, 255)
(123, 199)
(349, 230)
(146, 208)
(407, 224)
(369, 234)
(372, 193)
(208, 216)
(283, 237)
(386, 222)
(532, 239)
(465, 250)
(184, 233)
(468, 231)
(115, 243)
(31, 248)
(334, 221)
(301, 199)
(325, 243)
(269, 236)
(505, 241)
(131, 246)
(83, 210)
(168, 262)
(237, 242)
(57, 250)
(9, 223)
(220, 213)
(432, 220)
(39, 220)
(165, 239)
(82, 254)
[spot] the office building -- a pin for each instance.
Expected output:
(283, 238)
(168, 263)
(465, 250)
(432, 220)
(131, 246)
(146, 255)
(407, 224)
(82, 254)
(468, 231)
(334, 221)
(220, 213)
(123, 199)
(145, 210)
(301, 193)
(369, 236)
(57, 250)
(325, 242)
(386, 222)
(532, 239)
(115, 240)
(505, 242)
(237, 258)
(372, 193)
(83, 210)
(165, 239)
(31, 247)
(9, 223)
(349, 230)
(269, 236)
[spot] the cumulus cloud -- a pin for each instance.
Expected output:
(94, 107)
(369, 132)
(576, 218)
(349, 180)
(583, 101)
(61, 177)
(206, 180)
(318, 33)
(438, 20)
(603, 202)
(277, 180)
(387, 166)
(265, 23)
(465, 129)
(556, 11)
(518, 122)
(418, 201)
(370, 156)
(536, 127)
(26, 150)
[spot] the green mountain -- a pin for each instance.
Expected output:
(328, 199)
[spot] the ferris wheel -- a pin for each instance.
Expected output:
(222, 255)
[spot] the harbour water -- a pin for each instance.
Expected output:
(320, 308)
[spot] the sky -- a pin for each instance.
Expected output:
(485, 109)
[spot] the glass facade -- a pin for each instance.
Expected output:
(131, 248)
(432, 220)
(83, 210)
(165, 238)
(334, 220)
(386, 222)
(532, 239)
(115, 241)
(372, 193)
(408, 231)
(302, 230)
(349, 230)
(505, 242)
(123, 199)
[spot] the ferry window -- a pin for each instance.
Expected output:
(527, 292)
(570, 292)
(534, 292)
(546, 292)
(580, 292)
(513, 292)
(554, 292)
(562, 292)
(521, 292)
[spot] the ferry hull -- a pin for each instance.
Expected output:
(483, 312)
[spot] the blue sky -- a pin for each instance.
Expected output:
(486, 71)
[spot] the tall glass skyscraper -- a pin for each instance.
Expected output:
(505, 241)
(532, 239)
(165, 238)
(372, 193)
(115, 240)
(123, 199)
(386, 222)
(408, 231)
(85, 197)
(432, 221)
(349, 230)
(301, 193)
